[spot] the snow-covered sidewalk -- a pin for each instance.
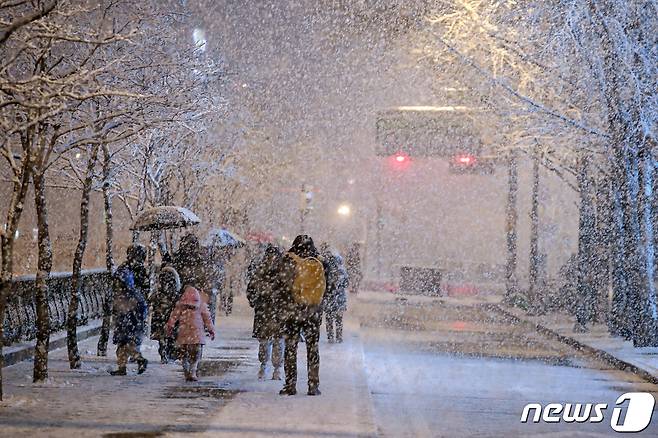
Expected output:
(343, 410)
(642, 361)
(227, 401)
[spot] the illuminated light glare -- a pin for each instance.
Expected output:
(344, 210)
(466, 159)
(400, 158)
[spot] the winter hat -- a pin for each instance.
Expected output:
(136, 253)
(303, 246)
(190, 297)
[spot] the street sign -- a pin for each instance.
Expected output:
(427, 131)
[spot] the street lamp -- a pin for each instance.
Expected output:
(344, 210)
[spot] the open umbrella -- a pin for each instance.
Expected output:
(165, 218)
(260, 237)
(221, 237)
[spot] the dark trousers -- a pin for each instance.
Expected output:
(311, 329)
(334, 319)
(167, 349)
(190, 355)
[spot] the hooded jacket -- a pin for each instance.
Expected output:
(193, 319)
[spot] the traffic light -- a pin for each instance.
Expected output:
(399, 161)
(468, 163)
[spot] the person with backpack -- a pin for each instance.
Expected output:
(129, 311)
(193, 318)
(261, 293)
(302, 286)
(335, 298)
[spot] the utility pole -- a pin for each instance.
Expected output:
(306, 196)
(534, 236)
(378, 238)
(511, 281)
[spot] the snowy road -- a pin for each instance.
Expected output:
(414, 367)
(479, 389)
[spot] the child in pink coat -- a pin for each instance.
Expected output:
(193, 319)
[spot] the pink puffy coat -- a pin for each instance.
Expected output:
(193, 318)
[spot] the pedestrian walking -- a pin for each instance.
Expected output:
(302, 286)
(193, 266)
(262, 296)
(193, 319)
(129, 311)
(335, 298)
(353, 266)
(163, 302)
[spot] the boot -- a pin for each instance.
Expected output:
(276, 374)
(119, 372)
(142, 363)
(314, 391)
(288, 391)
(261, 372)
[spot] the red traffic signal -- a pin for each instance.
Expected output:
(465, 160)
(399, 161)
(469, 163)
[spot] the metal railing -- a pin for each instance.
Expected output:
(20, 317)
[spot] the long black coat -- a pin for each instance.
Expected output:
(263, 297)
(335, 298)
(164, 300)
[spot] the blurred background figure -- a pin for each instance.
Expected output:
(335, 297)
(194, 267)
(262, 295)
(353, 266)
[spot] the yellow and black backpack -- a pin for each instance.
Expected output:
(309, 284)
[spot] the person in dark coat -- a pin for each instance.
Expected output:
(297, 319)
(261, 294)
(129, 311)
(163, 302)
(353, 266)
(335, 298)
(193, 267)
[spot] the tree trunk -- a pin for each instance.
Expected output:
(511, 282)
(109, 257)
(44, 266)
(72, 316)
(647, 331)
(586, 243)
(533, 292)
(603, 249)
(620, 307)
(14, 212)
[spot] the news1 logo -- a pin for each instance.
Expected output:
(636, 418)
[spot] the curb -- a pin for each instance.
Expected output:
(603, 355)
(20, 352)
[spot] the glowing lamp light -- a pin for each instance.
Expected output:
(400, 158)
(344, 210)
